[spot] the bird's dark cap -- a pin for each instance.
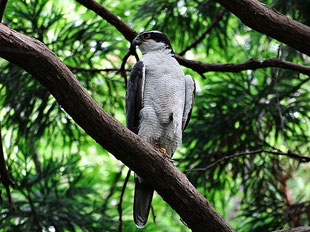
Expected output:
(155, 35)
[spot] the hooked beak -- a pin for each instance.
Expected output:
(136, 41)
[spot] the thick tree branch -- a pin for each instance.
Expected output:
(252, 64)
(167, 180)
(270, 22)
(203, 35)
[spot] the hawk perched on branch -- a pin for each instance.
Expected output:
(159, 103)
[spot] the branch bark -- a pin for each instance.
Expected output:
(270, 22)
(167, 180)
(296, 229)
(252, 64)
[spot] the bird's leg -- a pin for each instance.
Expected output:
(161, 149)
(164, 151)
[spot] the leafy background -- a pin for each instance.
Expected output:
(67, 182)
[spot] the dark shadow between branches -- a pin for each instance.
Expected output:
(119, 206)
(5, 177)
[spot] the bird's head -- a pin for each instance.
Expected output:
(153, 41)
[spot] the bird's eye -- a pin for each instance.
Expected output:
(147, 36)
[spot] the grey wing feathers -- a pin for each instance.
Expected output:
(189, 100)
(134, 97)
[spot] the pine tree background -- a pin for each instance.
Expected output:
(66, 182)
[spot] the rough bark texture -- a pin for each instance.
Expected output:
(252, 64)
(270, 22)
(296, 229)
(138, 155)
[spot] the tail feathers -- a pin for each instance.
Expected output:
(142, 201)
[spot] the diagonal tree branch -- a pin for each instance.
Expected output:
(203, 35)
(270, 22)
(167, 180)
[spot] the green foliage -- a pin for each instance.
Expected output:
(57, 195)
(182, 20)
(66, 182)
(239, 114)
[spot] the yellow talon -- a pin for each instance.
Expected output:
(164, 151)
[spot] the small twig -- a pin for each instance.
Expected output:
(131, 51)
(5, 178)
(112, 188)
(153, 214)
(27, 195)
(119, 206)
(280, 112)
(204, 34)
(289, 154)
(122, 68)
(95, 70)
(294, 89)
(202, 76)
(2, 8)
(36, 162)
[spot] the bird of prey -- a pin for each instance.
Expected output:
(159, 103)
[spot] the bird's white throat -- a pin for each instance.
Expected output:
(151, 46)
